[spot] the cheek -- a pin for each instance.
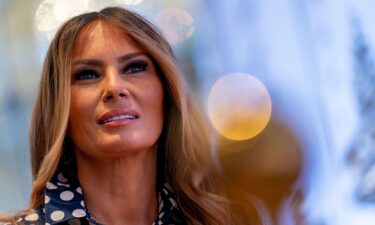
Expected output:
(153, 103)
(82, 106)
(157, 102)
(156, 99)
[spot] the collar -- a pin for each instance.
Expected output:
(64, 200)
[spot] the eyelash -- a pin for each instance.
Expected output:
(83, 75)
(132, 68)
(135, 67)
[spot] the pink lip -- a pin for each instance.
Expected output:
(114, 113)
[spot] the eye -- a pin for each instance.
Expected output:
(135, 67)
(86, 75)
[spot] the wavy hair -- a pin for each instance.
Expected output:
(185, 144)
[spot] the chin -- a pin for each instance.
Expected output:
(127, 147)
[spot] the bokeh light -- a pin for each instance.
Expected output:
(45, 19)
(64, 9)
(176, 24)
(51, 13)
(239, 106)
(130, 2)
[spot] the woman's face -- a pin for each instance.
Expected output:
(116, 94)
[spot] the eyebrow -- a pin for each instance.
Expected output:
(95, 62)
(129, 56)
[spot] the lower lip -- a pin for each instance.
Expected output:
(118, 123)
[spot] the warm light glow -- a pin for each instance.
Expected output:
(239, 106)
(176, 24)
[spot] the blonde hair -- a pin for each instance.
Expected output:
(184, 143)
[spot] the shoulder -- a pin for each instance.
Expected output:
(35, 216)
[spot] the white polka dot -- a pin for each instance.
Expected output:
(173, 201)
(78, 213)
(168, 187)
(57, 215)
(79, 190)
(51, 186)
(62, 178)
(82, 204)
(62, 184)
(32, 217)
(46, 199)
(66, 195)
(47, 224)
(161, 205)
(161, 215)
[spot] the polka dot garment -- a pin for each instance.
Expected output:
(64, 202)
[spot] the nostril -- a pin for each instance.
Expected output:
(109, 97)
(112, 95)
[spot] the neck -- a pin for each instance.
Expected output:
(120, 190)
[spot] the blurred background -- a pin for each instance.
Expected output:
(289, 86)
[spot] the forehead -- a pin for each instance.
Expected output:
(100, 37)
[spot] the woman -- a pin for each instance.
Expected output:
(115, 137)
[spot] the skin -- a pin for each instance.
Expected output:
(117, 160)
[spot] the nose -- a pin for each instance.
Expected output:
(114, 87)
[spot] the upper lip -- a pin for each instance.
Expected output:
(119, 112)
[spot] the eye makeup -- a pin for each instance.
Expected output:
(136, 66)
